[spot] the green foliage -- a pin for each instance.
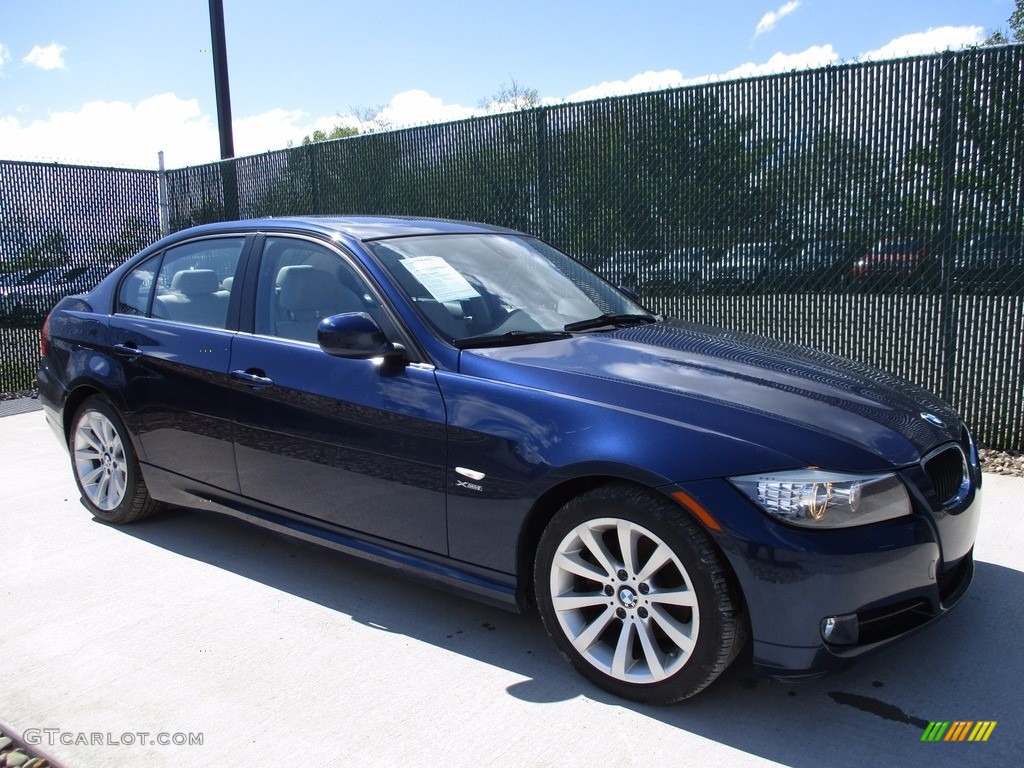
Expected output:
(337, 132)
(974, 176)
(44, 249)
(1016, 31)
(1016, 22)
(134, 235)
(206, 211)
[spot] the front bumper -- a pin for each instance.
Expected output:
(878, 583)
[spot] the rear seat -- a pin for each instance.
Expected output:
(195, 298)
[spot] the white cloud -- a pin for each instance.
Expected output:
(46, 57)
(645, 81)
(4, 56)
(115, 133)
(770, 19)
(815, 56)
(269, 130)
(417, 107)
(121, 134)
(932, 41)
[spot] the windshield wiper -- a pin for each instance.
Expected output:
(606, 320)
(510, 338)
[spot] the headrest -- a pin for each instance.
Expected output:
(305, 288)
(195, 281)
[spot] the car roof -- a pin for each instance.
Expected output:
(364, 228)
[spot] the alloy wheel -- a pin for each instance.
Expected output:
(100, 460)
(624, 600)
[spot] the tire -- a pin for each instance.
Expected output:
(104, 464)
(656, 626)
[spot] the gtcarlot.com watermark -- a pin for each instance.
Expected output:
(52, 736)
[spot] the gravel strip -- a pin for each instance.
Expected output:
(1002, 462)
(19, 394)
(12, 755)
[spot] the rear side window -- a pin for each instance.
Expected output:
(137, 288)
(190, 283)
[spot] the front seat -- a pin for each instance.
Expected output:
(305, 297)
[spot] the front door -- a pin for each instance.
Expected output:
(349, 442)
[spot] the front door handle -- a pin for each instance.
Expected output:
(128, 350)
(252, 378)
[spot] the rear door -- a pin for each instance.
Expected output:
(171, 333)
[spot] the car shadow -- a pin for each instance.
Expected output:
(965, 667)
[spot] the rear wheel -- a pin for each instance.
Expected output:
(105, 467)
(636, 596)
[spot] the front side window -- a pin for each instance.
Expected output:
(300, 283)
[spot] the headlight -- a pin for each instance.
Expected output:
(818, 499)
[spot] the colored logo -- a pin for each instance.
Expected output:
(958, 730)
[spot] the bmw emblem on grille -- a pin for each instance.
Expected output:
(931, 418)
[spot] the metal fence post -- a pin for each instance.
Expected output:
(947, 223)
(161, 184)
(543, 174)
(314, 181)
(229, 181)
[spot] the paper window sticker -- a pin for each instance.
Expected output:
(440, 278)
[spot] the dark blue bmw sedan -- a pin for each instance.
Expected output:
(470, 406)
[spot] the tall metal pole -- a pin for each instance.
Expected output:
(229, 175)
(220, 79)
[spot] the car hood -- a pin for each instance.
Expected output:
(820, 409)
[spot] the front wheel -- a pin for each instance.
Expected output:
(636, 596)
(105, 467)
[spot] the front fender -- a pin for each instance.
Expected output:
(510, 445)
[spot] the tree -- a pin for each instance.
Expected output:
(337, 132)
(373, 119)
(135, 234)
(1016, 33)
(511, 98)
(47, 248)
(370, 119)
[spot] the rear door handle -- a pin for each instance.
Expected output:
(252, 379)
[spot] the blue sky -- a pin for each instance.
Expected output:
(111, 83)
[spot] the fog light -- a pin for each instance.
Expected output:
(840, 630)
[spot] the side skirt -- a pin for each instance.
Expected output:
(454, 576)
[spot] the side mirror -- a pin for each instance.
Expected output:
(357, 336)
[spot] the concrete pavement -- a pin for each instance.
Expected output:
(193, 627)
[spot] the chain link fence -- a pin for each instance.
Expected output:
(872, 210)
(62, 228)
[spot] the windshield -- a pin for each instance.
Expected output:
(502, 287)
